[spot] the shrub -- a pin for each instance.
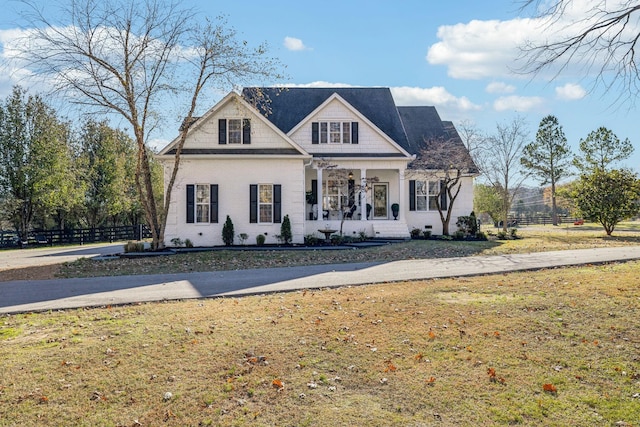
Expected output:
(227, 232)
(363, 235)
(459, 235)
(243, 238)
(285, 230)
(337, 239)
(426, 234)
(481, 236)
(133, 247)
(468, 224)
(177, 242)
(188, 243)
(513, 233)
(501, 235)
(260, 238)
(311, 240)
(415, 233)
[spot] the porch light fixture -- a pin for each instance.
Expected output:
(350, 175)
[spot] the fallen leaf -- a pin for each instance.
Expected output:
(431, 380)
(277, 384)
(549, 388)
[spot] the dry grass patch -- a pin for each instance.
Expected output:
(555, 347)
(534, 239)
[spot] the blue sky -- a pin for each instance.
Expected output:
(456, 55)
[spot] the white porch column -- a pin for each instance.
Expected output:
(320, 197)
(402, 199)
(363, 194)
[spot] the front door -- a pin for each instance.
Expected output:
(380, 202)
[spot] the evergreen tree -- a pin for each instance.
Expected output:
(548, 157)
(285, 230)
(227, 232)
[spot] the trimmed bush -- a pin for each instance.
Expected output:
(227, 232)
(133, 247)
(260, 238)
(285, 231)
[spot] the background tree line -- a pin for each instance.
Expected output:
(58, 174)
(596, 186)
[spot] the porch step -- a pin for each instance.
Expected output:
(390, 230)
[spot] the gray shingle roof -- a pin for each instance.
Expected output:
(413, 128)
(289, 106)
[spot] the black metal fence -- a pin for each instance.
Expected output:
(11, 239)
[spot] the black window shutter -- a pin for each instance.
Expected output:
(253, 203)
(412, 195)
(191, 203)
(443, 196)
(354, 132)
(222, 131)
(246, 131)
(314, 191)
(277, 203)
(352, 192)
(315, 133)
(213, 200)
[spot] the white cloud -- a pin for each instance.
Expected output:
(294, 44)
(500, 87)
(437, 96)
(481, 49)
(320, 83)
(517, 103)
(570, 92)
(492, 48)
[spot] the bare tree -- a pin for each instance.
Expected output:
(601, 38)
(443, 162)
(133, 59)
(501, 167)
(471, 137)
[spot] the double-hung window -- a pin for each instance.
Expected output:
(202, 203)
(335, 195)
(234, 131)
(265, 203)
(425, 194)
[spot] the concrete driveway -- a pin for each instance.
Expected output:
(45, 255)
(24, 296)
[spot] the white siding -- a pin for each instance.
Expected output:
(233, 178)
(205, 134)
(462, 206)
(370, 140)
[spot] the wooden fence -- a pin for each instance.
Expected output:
(9, 239)
(540, 220)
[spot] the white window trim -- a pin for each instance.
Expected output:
(325, 133)
(240, 130)
(260, 204)
(207, 204)
(428, 196)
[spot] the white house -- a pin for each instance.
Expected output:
(317, 155)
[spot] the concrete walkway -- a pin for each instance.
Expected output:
(25, 296)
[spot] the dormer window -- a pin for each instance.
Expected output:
(334, 132)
